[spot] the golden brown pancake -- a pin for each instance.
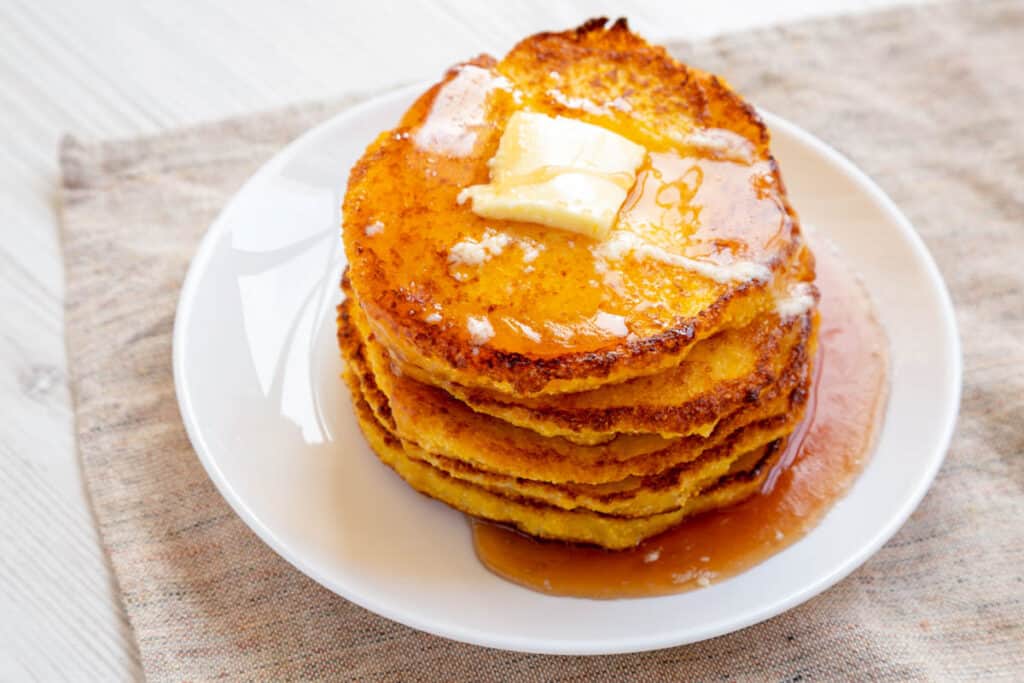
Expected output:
(536, 519)
(440, 423)
(710, 192)
(630, 496)
(719, 375)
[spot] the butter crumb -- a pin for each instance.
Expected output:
(374, 228)
(480, 329)
(477, 251)
(531, 250)
(614, 325)
(473, 252)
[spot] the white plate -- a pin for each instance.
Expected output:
(257, 374)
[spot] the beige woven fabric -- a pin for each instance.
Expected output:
(927, 101)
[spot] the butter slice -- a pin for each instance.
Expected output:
(558, 172)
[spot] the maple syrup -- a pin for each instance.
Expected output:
(822, 459)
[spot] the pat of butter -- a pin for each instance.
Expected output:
(558, 172)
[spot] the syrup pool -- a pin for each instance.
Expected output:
(822, 460)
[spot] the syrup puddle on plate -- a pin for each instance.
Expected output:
(823, 458)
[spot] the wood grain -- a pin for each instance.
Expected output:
(119, 68)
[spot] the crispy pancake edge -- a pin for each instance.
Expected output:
(550, 458)
(775, 341)
(535, 519)
(643, 496)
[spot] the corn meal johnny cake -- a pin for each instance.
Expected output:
(705, 239)
(437, 421)
(626, 493)
(544, 521)
(578, 301)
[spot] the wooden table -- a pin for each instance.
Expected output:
(119, 68)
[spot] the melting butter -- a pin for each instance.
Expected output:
(459, 111)
(558, 172)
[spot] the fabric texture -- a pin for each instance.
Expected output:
(926, 100)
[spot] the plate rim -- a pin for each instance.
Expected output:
(670, 638)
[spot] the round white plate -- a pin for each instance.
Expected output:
(257, 374)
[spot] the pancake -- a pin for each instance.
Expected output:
(717, 377)
(577, 526)
(632, 496)
(706, 240)
(440, 423)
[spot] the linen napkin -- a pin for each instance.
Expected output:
(927, 100)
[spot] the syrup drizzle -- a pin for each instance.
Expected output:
(824, 457)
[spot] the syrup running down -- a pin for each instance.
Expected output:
(823, 458)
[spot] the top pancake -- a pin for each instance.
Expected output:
(559, 302)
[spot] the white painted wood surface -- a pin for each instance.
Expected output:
(119, 68)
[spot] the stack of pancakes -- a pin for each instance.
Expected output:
(579, 389)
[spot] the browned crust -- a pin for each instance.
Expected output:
(793, 382)
(532, 517)
(678, 420)
(667, 420)
(661, 480)
(740, 481)
(756, 473)
(527, 375)
(669, 479)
